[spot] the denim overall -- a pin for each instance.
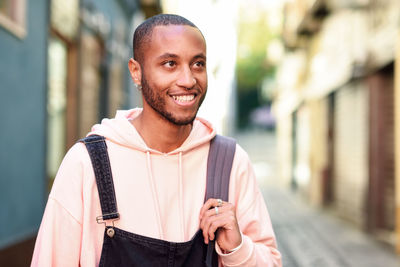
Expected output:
(122, 248)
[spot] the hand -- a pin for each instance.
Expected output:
(221, 220)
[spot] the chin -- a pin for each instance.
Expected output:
(183, 121)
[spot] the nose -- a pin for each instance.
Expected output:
(186, 78)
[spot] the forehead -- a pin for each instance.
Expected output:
(176, 39)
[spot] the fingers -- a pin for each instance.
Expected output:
(218, 221)
(215, 215)
(211, 225)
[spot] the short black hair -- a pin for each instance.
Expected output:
(143, 32)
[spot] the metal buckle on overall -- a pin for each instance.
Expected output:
(110, 231)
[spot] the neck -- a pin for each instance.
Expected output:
(160, 134)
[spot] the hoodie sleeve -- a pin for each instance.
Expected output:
(59, 239)
(258, 246)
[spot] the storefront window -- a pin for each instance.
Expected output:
(56, 105)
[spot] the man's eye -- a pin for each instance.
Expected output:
(199, 63)
(170, 63)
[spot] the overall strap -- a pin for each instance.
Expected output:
(219, 165)
(97, 149)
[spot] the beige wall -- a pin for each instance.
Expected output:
(318, 149)
(351, 152)
(302, 164)
(284, 149)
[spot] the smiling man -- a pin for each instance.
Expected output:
(170, 69)
(136, 190)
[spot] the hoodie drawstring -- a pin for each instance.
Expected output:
(155, 196)
(180, 189)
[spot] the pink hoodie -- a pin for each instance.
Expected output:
(158, 195)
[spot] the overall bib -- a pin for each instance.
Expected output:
(125, 249)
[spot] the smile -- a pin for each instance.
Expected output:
(183, 98)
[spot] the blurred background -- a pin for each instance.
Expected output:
(310, 88)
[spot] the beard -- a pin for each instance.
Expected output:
(155, 100)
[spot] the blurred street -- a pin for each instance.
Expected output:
(324, 74)
(309, 237)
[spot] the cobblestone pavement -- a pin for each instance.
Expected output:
(309, 237)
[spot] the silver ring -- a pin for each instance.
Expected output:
(216, 210)
(219, 202)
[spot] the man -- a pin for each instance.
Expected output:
(158, 158)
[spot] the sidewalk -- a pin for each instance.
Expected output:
(311, 238)
(308, 237)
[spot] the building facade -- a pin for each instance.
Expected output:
(336, 109)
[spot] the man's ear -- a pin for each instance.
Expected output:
(136, 71)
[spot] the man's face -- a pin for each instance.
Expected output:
(173, 73)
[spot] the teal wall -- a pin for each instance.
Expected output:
(23, 90)
(22, 132)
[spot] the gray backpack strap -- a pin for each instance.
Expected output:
(219, 165)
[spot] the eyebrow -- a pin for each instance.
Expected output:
(167, 55)
(170, 55)
(201, 55)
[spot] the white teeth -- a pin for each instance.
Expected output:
(183, 98)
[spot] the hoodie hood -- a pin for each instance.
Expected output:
(121, 131)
